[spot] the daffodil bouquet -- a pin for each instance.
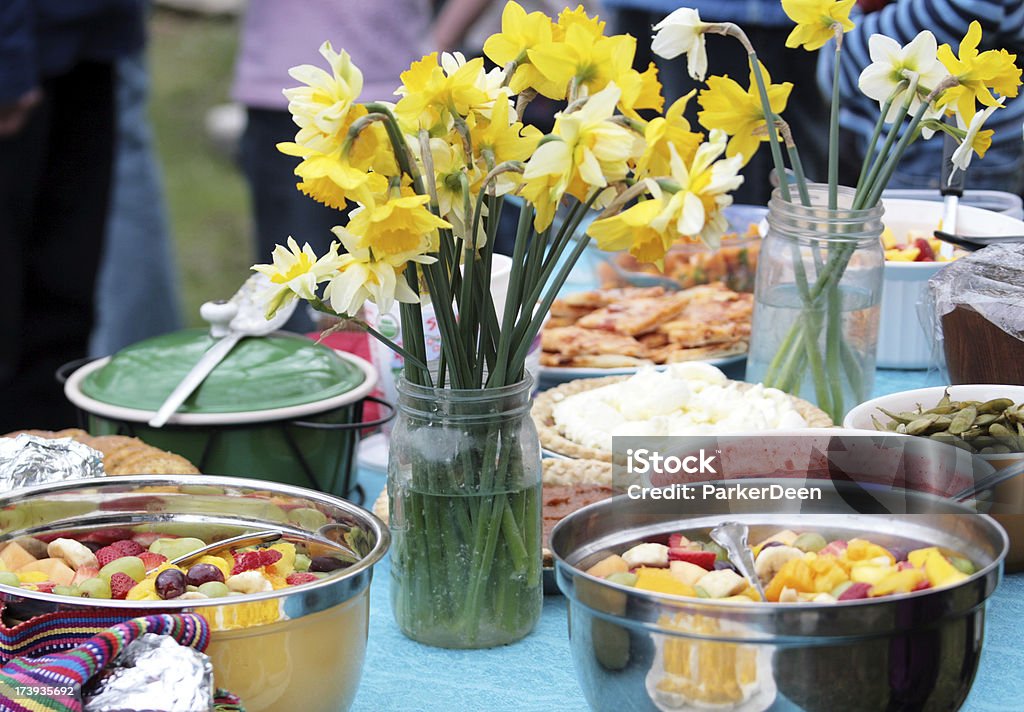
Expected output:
(917, 86)
(427, 179)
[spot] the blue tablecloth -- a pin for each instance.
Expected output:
(537, 675)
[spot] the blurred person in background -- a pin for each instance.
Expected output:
(383, 38)
(137, 292)
(57, 143)
(767, 26)
(1002, 26)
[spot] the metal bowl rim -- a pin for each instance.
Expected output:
(768, 607)
(383, 538)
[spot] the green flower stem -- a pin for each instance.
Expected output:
(498, 376)
(833, 341)
(853, 369)
(885, 174)
(321, 307)
(791, 383)
(814, 358)
(783, 354)
(870, 152)
(773, 139)
(887, 148)
(833, 130)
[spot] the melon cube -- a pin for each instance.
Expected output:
(14, 556)
(55, 569)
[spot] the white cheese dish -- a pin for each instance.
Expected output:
(684, 399)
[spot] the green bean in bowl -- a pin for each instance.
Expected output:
(991, 427)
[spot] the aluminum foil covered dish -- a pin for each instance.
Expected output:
(28, 460)
(154, 672)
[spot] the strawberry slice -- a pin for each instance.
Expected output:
(855, 592)
(300, 577)
(120, 585)
(107, 554)
(249, 560)
(127, 547)
(152, 560)
(677, 541)
(922, 585)
(45, 586)
(703, 559)
(926, 254)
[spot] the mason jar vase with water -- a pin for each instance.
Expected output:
(816, 301)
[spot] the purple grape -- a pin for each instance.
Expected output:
(170, 583)
(719, 565)
(204, 573)
(325, 563)
(93, 546)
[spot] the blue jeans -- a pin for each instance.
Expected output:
(137, 294)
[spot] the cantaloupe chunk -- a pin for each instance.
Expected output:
(55, 569)
(14, 556)
(608, 566)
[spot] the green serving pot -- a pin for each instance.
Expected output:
(280, 407)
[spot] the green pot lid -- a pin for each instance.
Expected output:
(260, 373)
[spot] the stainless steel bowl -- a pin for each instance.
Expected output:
(293, 648)
(913, 652)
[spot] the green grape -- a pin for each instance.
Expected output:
(811, 541)
(173, 548)
(131, 565)
(9, 579)
(302, 562)
(95, 587)
(214, 589)
(67, 591)
(623, 577)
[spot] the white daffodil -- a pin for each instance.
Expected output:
(682, 32)
(321, 107)
(296, 273)
(915, 63)
(361, 278)
(696, 209)
(976, 140)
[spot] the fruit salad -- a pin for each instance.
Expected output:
(916, 247)
(130, 566)
(792, 567)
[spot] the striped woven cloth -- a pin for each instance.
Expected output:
(52, 681)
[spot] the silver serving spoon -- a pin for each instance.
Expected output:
(732, 536)
(230, 322)
(263, 537)
(989, 481)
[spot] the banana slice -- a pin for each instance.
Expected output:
(770, 560)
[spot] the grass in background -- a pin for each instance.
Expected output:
(191, 59)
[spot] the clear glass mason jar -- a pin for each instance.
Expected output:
(816, 300)
(464, 487)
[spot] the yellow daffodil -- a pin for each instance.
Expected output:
(631, 230)
(695, 210)
(816, 20)
(320, 109)
(295, 273)
(394, 227)
(520, 32)
(430, 93)
(640, 90)
(978, 73)
(505, 138)
(594, 26)
(727, 106)
(363, 275)
(682, 32)
(581, 59)
(660, 133)
(975, 140)
(588, 151)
